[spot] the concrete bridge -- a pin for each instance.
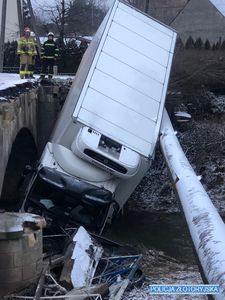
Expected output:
(25, 125)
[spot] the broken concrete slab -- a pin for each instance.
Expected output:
(86, 255)
(21, 256)
(13, 225)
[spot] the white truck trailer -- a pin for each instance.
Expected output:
(105, 137)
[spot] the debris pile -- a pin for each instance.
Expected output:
(87, 267)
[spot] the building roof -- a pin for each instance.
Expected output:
(220, 5)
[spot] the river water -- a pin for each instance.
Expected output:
(162, 232)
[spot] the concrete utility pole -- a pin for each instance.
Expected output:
(20, 17)
(2, 36)
(206, 227)
(34, 27)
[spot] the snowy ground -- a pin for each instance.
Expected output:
(11, 85)
(10, 80)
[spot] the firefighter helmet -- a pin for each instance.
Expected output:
(51, 33)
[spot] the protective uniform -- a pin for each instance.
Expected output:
(27, 51)
(49, 54)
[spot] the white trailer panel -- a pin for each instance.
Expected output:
(126, 55)
(139, 43)
(148, 32)
(127, 97)
(123, 96)
(150, 21)
(130, 76)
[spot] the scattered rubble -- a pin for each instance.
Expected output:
(84, 269)
(182, 116)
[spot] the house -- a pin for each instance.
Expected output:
(203, 19)
(166, 10)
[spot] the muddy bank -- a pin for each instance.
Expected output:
(162, 269)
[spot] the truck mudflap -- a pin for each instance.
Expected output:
(68, 200)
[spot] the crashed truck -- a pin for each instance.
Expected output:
(104, 140)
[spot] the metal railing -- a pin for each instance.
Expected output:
(37, 71)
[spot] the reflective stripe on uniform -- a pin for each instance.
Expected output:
(25, 42)
(48, 56)
(50, 45)
(24, 72)
(26, 53)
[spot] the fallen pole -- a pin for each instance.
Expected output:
(206, 227)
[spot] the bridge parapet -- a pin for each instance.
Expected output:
(26, 122)
(16, 115)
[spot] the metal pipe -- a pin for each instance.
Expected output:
(2, 36)
(206, 227)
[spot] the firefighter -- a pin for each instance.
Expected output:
(49, 55)
(27, 51)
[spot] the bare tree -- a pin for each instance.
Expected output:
(73, 17)
(57, 14)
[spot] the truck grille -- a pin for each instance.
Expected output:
(105, 161)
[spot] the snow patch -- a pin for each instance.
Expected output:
(11, 80)
(183, 114)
